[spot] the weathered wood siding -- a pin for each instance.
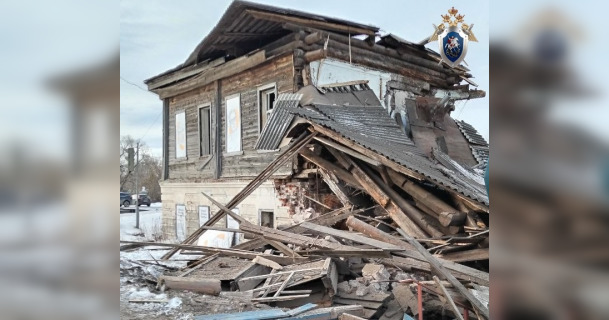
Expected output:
(278, 71)
(195, 168)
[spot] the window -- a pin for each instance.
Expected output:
(233, 124)
(204, 131)
(266, 102)
(180, 135)
(267, 218)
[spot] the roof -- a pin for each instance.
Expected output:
(280, 119)
(347, 95)
(374, 129)
(341, 109)
(477, 143)
(247, 25)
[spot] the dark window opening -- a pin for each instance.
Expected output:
(267, 218)
(266, 104)
(205, 131)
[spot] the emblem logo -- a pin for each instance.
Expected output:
(453, 35)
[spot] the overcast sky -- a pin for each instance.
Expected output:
(159, 35)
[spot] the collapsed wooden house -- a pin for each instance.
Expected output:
(339, 153)
(217, 103)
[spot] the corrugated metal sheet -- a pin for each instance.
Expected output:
(373, 129)
(477, 143)
(278, 122)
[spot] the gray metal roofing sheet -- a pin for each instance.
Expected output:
(278, 122)
(394, 145)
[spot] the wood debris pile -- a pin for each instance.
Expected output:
(399, 245)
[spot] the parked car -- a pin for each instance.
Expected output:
(125, 199)
(143, 200)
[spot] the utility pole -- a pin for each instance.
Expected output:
(137, 188)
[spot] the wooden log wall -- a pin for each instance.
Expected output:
(195, 168)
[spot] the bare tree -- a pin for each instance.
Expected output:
(149, 171)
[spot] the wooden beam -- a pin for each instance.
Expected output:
(348, 151)
(323, 163)
(460, 271)
(438, 268)
(350, 236)
(395, 212)
(411, 211)
(267, 263)
(456, 311)
(332, 181)
(210, 75)
(310, 23)
(293, 238)
(210, 287)
(284, 284)
(468, 255)
(447, 215)
(224, 252)
(283, 248)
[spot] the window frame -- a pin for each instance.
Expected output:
(259, 92)
(260, 216)
(175, 119)
(226, 99)
(211, 150)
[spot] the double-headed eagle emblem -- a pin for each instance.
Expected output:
(453, 35)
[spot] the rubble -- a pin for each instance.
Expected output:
(405, 231)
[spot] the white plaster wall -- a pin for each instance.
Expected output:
(189, 194)
(336, 71)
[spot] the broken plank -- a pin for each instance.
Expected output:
(348, 151)
(283, 248)
(395, 212)
(468, 255)
(362, 253)
(205, 286)
(347, 316)
(226, 252)
(264, 276)
(284, 284)
(364, 303)
(280, 298)
(456, 310)
(293, 238)
(266, 262)
(441, 270)
(350, 236)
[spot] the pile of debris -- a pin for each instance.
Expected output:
(404, 244)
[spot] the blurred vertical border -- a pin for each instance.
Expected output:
(549, 179)
(59, 125)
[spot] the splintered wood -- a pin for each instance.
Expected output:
(394, 222)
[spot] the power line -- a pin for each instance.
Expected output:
(134, 84)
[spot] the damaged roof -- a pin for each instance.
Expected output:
(373, 128)
(477, 143)
(250, 25)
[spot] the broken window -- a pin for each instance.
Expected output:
(204, 131)
(266, 102)
(267, 218)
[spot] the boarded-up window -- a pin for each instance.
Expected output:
(267, 218)
(180, 222)
(233, 124)
(266, 102)
(204, 131)
(181, 135)
(203, 215)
